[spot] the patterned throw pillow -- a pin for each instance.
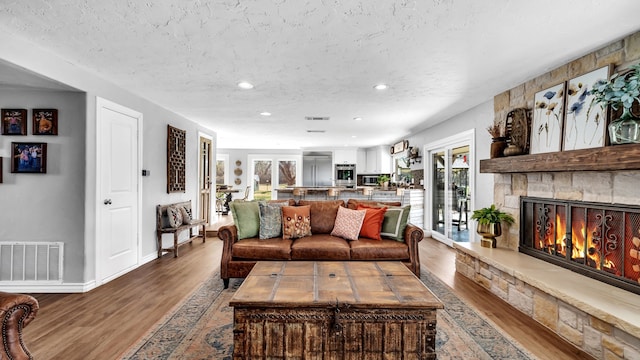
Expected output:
(348, 223)
(187, 216)
(372, 223)
(296, 221)
(395, 221)
(270, 219)
(175, 216)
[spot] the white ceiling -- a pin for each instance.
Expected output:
(318, 57)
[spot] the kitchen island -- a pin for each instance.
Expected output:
(413, 197)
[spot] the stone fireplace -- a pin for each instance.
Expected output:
(601, 241)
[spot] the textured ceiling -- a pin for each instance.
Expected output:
(318, 58)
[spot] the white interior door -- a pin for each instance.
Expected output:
(118, 171)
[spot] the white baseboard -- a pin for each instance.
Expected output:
(16, 287)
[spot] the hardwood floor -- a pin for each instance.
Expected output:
(105, 322)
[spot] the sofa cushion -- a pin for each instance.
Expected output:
(267, 249)
(348, 223)
(368, 249)
(296, 222)
(320, 247)
(395, 221)
(270, 219)
(246, 217)
(323, 214)
(353, 203)
(372, 223)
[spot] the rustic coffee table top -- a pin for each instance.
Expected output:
(360, 284)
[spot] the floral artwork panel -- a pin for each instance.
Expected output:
(585, 123)
(546, 129)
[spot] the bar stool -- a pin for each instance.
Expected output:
(333, 193)
(299, 193)
(400, 192)
(368, 192)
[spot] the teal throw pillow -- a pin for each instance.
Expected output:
(270, 219)
(246, 216)
(395, 222)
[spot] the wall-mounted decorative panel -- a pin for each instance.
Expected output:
(176, 144)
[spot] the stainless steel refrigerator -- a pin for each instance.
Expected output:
(317, 171)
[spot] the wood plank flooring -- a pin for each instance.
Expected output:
(105, 322)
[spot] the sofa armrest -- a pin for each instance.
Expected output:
(229, 235)
(412, 236)
(16, 312)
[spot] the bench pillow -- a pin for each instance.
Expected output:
(246, 217)
(270, 219)
(395, 222)
(348, 223)
(296, 221)
(187, 214)
(174, 215)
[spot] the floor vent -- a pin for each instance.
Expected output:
(31, 262)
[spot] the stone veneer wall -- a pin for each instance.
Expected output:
(597, 337)
(593, 335)
(605, 187)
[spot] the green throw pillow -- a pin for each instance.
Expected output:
(246, 216)
(395, 222)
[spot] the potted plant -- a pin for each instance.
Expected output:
(383, 180)
(489, 224)
(498, 140)
(622, 90)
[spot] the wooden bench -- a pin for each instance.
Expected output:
(163, 227)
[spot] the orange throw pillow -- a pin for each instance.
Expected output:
(372, 223)
(296, 222)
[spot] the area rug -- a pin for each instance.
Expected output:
(201, 328)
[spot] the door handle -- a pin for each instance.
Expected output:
(107, 201)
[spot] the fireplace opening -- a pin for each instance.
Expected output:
(598, 240)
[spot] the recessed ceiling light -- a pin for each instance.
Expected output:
(357, 118)
(380, 87)
(265, 113)
(245, 85)
(354, 136)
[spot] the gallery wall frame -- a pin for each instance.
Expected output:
(14, 121)
(585, 125)
(548, 116)
(45, 121)
(29, 157)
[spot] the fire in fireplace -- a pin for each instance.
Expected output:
(598, 240)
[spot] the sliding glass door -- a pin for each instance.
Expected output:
(449, 186)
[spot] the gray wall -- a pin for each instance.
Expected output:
(477, 118)
(80, 262)
(47, 207)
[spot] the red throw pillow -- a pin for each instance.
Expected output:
(372, 223)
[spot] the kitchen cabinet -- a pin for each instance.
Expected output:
(345, 156)
(361, 164)
(378, 160)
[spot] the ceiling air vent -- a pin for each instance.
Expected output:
(316, 118)
(315, 131)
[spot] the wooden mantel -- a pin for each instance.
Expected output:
(608, 158)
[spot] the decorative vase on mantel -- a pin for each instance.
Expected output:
(498, 144)
(625, 130)
(512, 150)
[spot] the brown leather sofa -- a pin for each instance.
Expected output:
(239, 256)
(16, 312)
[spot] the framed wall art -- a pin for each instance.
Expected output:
(45, 122)
(548, 113)
(29, 157)
(14, 121)
(585, 125)
(176, 161)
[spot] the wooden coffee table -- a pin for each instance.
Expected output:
(333, 310)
